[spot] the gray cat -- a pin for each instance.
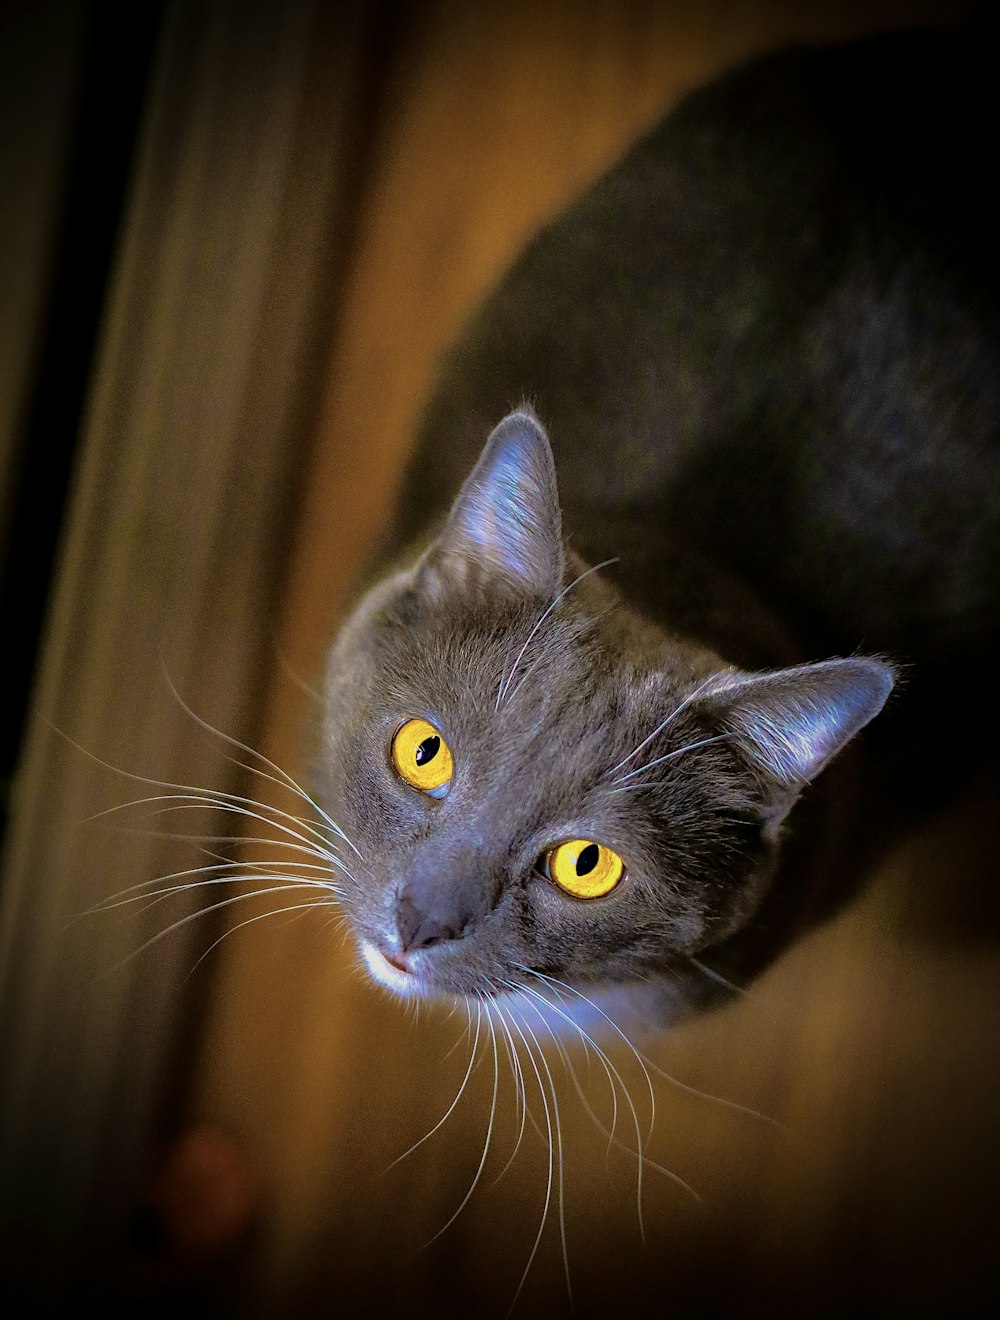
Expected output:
(569, 733)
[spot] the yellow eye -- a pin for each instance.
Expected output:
(584, 869)
(422, 757)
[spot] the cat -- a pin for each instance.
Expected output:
(740, 413)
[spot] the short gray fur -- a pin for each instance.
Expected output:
(765, 350)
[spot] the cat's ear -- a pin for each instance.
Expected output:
(505, 523)
(792, 722)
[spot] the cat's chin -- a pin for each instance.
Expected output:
(603, 1011)
(388, 974)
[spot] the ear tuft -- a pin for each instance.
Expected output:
(506, 520)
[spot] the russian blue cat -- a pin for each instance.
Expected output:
(740, 413)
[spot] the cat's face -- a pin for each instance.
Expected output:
(538, 782)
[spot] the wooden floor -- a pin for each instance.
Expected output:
(831, 1138)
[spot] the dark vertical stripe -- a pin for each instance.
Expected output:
(118, 48)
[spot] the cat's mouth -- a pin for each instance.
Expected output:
(415, 972)
(393, 970)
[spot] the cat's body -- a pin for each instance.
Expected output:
(770, 336)
(765, 350)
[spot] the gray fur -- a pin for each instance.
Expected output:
(770, 380)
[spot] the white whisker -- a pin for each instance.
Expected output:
(237, 805)
(670, 756)
(560, 1166)
(283, 777)
(193, 916)
(467, 1031)
(713, 975)
(323, 861)
(273, 912)
(644, 1160)
(505, 683)
(218, 797)
(489, 1132)
(692, 696)
(213, 873)
(573, 990)
(152, 897)
(451, 1108)
(713, 1099)
(612, 1073)
(639, 1152)
(520, 1092)
(551, 1158)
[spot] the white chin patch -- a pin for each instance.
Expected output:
(403, 983)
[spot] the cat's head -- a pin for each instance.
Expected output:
(538, 782)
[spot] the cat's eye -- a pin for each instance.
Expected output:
(422, 757)
(584, 868)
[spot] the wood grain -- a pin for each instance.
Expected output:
(170, 564)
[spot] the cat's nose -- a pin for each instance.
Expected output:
(419, 929)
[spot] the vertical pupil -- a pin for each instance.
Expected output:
(427, 750)
(587, 860)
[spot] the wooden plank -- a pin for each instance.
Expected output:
(174, 552)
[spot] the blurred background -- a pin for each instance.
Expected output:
(234, 241)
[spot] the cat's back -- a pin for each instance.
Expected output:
(773, 327)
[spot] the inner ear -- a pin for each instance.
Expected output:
(505, 523)
(791, 723)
